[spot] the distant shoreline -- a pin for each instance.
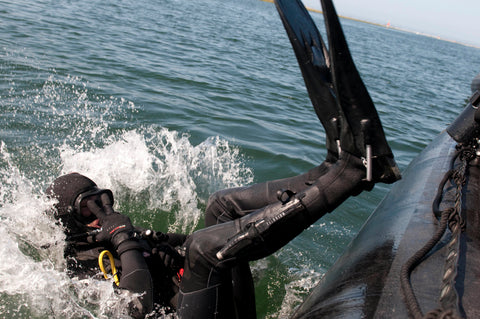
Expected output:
(393, 28)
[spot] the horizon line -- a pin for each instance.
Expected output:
(386, 26)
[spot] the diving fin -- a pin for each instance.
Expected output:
(313, 60)
(336, 89)
(356, 103)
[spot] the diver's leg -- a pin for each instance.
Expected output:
(270, 228)
(229, 204)
(212, 251)
(205, 290)
(342, 98)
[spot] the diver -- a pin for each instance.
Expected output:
(249, 223)
(145, 261)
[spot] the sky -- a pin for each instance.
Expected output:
(455, 20)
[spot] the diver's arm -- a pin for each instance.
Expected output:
(137, 278)
(119, 231)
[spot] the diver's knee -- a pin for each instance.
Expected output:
(202, 268)
(213, 210)
(202, 245)
(220, 207)
(196, 249)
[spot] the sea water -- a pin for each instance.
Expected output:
(165, 102)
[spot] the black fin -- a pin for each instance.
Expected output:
(351, 92)
(313, 59)
(336, 89)
(356, 103)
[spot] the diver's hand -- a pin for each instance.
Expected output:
(116, 228)
(170, 257)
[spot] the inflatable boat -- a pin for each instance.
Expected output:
(418, 255)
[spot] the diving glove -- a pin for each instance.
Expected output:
(116, 228)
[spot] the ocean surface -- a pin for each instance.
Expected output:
(167, 101)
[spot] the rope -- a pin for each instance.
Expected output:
(452, 217)
(440, 314)
(448, 295)
(413, 262)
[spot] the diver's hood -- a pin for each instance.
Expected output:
(69, 190)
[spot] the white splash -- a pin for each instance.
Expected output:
(32, 266)
(297, 289)
(71, 132)
(166, 166)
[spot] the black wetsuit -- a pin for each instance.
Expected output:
(253, 222)
(159, 282)
(230, 204)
